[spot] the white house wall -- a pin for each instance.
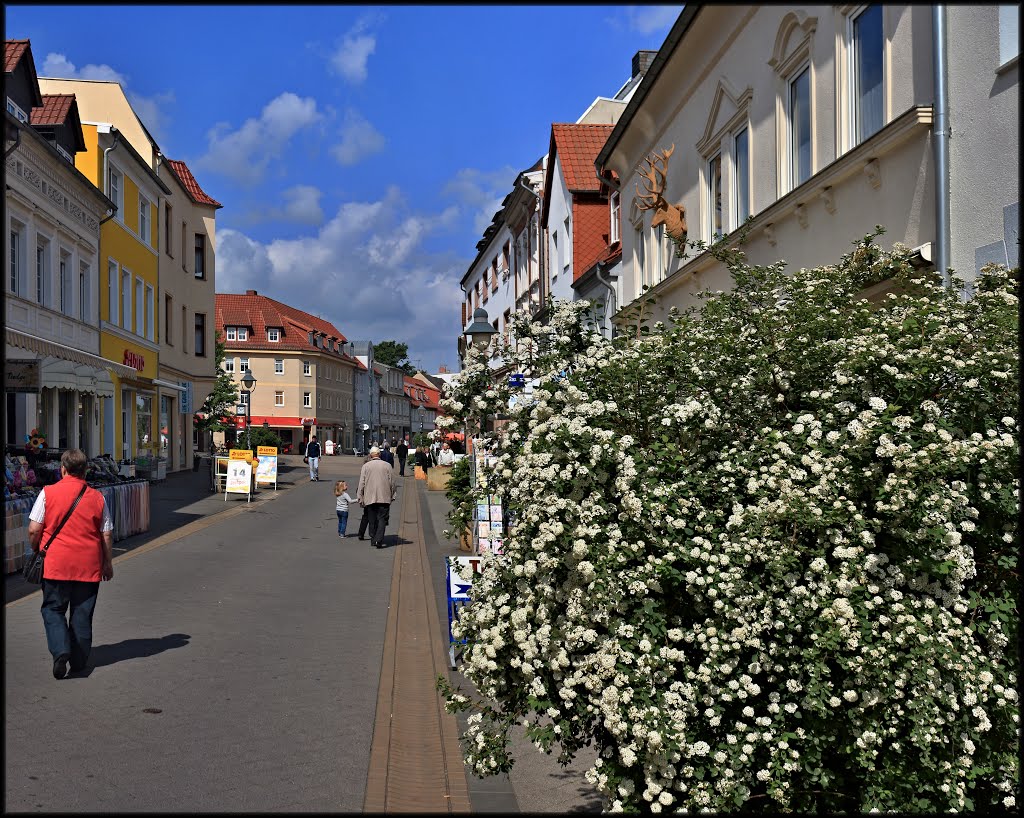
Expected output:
(559, 209)
(724, 73)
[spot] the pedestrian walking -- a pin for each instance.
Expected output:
(387, 456)
(343, 500)
(423, 459)
(446, 457)
(364, 519)
(79, 543)
(312, 457)
(377, 490)
(401, 452)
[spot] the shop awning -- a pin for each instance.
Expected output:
(277, 421)
(41, 346)
(169, 385)
(61, 374)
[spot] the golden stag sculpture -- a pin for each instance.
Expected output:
(673, 216)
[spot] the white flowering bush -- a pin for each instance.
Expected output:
(764, 556)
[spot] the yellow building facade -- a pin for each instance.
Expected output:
(129, 285)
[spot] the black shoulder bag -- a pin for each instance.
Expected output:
(33, 570)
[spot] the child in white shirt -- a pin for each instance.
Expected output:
(343, 499)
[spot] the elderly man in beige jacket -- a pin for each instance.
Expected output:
(375, 494)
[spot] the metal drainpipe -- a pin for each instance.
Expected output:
(106, 171)
(601, 268)
(611, 289)
(940, 133)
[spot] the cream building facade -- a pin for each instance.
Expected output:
(817, 123)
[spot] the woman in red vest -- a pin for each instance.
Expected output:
(76, 560)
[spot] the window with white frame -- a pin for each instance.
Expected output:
(126, 299)
(614, 205)
(139, 314)
(144, 230)
(113, 292)
(273, 334)
(229, 365)
(279, 398)
(1009, 36)
(83, 291)
(243, 333)
(640, 257)
(306, 369)
(42, 271)
(660, 255)
(150, 314)
(556, 253)
(319, 401)
(15, 276)
(567, 249)
(243, 397)
(230, 333)
(307, 400)
(115, 191)
(741, 176)
(243, 364)
(16, 110)
(798, 117)
(714, 198)
(65, 284)
(867, 71)
(278, 366)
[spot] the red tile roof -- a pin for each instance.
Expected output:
(578, 147)
(188, 181)
(591, 221)
(13, 50)
(413, 387)
(258, 312)
(54, 110)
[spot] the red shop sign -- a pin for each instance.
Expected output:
(134, 359)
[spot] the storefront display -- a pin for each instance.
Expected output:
(25, 474)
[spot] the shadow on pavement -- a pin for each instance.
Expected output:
(133, 649)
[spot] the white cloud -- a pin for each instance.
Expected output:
(245, 153)
(302, 204)
(359, 139)
(483, 191)
(350, 57)
(647, 19)
(365, 271)
(58, 65)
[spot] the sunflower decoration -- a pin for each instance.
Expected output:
(36, 440)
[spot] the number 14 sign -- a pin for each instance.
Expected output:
(239, 479)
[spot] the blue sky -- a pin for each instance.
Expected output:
(359, 151)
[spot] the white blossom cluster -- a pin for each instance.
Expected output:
(767, 553)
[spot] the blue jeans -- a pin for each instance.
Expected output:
(342, 522)
(74, 640)
(314, 468)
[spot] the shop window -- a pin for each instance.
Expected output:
(144, 420)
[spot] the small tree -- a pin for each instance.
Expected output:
(219, 404)
(394, 353)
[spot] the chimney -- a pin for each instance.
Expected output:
(253, 292)
(642, 61)
(442, 370)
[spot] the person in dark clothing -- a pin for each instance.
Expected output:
(387, 456)
(401, 452)
(313, 457)
(423, 458)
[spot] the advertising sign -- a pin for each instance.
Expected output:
(22, 375)
(458, 594)
(241, 454)
(266, 465)
(239, 480)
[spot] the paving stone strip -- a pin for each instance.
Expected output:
(415, 760)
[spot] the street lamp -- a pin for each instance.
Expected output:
(480, 331)
(248, 384)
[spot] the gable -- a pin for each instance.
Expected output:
(727, 105)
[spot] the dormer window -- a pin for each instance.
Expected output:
(243, 333)
(230, 333)
(16, 110)
(236, 333)
(273, 334)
